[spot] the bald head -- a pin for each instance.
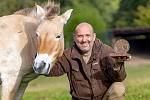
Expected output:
(84, 37)
(84, 26)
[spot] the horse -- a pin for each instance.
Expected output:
(29, 37)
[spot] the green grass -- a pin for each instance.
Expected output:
(57, 88)
(138, 83)
(48, 88)
(57, 94)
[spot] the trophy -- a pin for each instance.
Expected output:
(121, 48)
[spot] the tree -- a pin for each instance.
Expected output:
(97, 12)
(106, 8)
(10, 6)
(83, 12)
(143, 16)
(126, 13)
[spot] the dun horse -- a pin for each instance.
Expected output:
(23, 36)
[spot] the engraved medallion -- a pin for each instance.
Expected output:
(121, 46)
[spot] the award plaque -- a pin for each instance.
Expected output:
(121, 48)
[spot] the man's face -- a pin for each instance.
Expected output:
(84, 39)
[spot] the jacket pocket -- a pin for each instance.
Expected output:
(77, 74)
(98, 73)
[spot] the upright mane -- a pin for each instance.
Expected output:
(25, 11)
(52, 9)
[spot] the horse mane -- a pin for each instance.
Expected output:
(25, 11)
(52, 9)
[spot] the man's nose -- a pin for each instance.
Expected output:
(84, 39)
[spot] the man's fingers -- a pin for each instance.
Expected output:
(122, 59)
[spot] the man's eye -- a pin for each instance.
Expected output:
(88, 35)
(79, 36)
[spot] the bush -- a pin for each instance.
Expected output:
(83, 13)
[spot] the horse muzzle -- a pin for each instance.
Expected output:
(42, 66)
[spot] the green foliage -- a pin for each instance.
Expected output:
(126, 13)
(5, 5)
(83, 13)
(143, 16)
(96, 12)
(10, 6)
(106, 8)
(87, 13)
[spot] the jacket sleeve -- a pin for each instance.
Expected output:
(60, 67)
(109, 65)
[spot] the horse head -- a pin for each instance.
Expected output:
(50, 40)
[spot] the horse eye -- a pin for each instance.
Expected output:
(37, 34)
(58, 36)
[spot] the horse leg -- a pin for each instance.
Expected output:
(24, 83)
(21, 91)
(10, 84)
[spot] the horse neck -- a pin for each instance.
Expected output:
(30, 49)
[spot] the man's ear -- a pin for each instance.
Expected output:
(66, 16)
(40, 12)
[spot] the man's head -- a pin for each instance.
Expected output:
(84, 37)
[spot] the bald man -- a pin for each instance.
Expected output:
(92, 73)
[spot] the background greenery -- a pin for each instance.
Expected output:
(102, 14)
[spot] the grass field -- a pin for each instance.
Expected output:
(57, 88)
(138, 83)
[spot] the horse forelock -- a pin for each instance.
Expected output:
(52, 9)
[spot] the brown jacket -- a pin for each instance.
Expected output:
(91, 79)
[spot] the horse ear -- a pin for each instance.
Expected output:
(66, 15)
(40, 11)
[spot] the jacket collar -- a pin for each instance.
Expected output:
(75, 52)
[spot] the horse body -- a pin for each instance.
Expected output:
(18, 41)
(18, 47)
(19, 44)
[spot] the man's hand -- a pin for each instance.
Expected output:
(120, 57)
(121, 47)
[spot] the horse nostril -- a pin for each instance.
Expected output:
(39, 66)
(42, 64)
(42, 68)
(35, 55)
